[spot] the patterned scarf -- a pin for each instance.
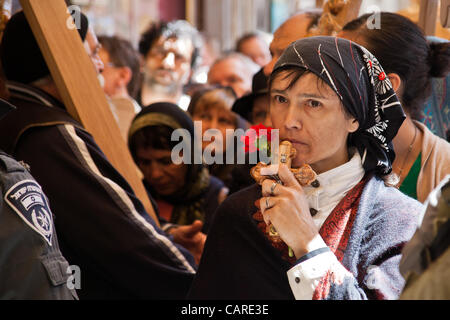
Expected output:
(189, 203)
(363, 88)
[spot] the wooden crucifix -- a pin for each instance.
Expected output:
(76, 80)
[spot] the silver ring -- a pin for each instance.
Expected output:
(272, 188)
(267, 203)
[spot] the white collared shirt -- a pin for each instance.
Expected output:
(334, 185)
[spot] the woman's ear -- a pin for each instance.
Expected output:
(396, 81)
(353, 125)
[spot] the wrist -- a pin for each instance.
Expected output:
(315, 243)
(170, 228)
(312, 254)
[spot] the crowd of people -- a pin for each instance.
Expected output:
(374, 225)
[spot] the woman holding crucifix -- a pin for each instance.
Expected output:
(341, 237)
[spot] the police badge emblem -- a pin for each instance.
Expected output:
(28, 201)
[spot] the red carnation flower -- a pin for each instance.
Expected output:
(257, 139)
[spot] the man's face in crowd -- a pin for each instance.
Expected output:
(168, 63)
(92, 47)
(231, 73)
(293, 29)
(257, 50)
(109, 73)
(116, 78)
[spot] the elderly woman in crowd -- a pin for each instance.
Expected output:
(212, 106)
(184, 192)
(340, 237)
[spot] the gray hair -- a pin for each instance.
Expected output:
(183, 29)
(173, 29)
(249, 65)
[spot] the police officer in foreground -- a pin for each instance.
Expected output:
(31, 264)
(103, 228)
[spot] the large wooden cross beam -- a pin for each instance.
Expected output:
(76, 80)
(445, 13)
(428, 16)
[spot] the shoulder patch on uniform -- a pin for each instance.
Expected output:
(28, 201)
(25, 165)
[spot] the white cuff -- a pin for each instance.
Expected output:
(305, 276)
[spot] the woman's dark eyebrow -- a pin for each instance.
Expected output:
(302, 95)
(312, 95)
(277, 91)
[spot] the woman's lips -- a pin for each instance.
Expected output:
(295, 141)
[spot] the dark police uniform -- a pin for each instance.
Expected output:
(102, 226)
(31, 264)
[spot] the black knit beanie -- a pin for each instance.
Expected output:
(20, 55)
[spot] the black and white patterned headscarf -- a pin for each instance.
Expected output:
(363, 87)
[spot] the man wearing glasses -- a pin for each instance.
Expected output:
(170, 52)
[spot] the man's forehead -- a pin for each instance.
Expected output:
(253, 41)
(173, 42)
(104, 55)
(280, 43)
(292, 30)
(228, 67)
(92, 40)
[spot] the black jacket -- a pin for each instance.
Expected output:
(102, 227)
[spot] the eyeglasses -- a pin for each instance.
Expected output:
(161, 53)
(110, 65)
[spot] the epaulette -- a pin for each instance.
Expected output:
(10, 165)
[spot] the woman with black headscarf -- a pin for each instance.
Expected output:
(184, 192)
(341, 237)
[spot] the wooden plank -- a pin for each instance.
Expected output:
(428, 15)
(445, 13)
(191, 12)
(76, 80)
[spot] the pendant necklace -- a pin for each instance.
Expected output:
(406, 157)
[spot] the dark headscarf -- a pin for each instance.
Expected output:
(189, 201)
(20, 54)
(363, 88)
